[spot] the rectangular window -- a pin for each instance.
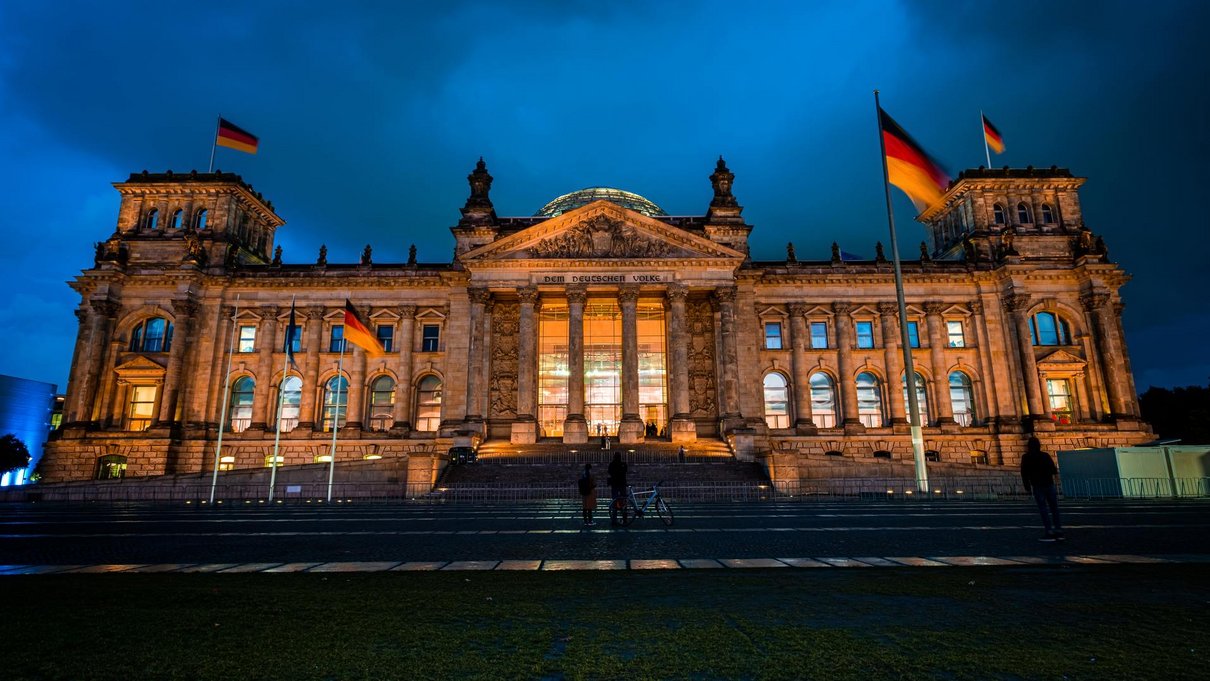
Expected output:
(295, 338)
(142, 407)
(865, 334)
(430, 338)
(337, 341)
(956, 339)
(773, 335)
(1058, 390)
(247, 339)
(819, 335)
(386, 336)
(913, 335)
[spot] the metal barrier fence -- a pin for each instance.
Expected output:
(225, 493)
(604, 456)
(673, 491)
(1138, 488)
(965, 487)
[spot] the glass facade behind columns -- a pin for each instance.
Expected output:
(653, 365)
(602, 367)
(552, 369)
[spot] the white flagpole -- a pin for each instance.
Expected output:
(214, 142)
(983, 129)
(340, 364)
(281, 401)
(222, 419)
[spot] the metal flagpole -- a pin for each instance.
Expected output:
(222, 419)
(218, 122)
(983, 129)
(340, 365)
(281, 401)
(909, 371)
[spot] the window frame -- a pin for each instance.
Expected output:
(967, 416)
(817, 325)
(858, 335)
(245, 345)
(425, 339)
(387, 340)
(138, 423)
(868, 415)
(239, 415)
(913, 334)
(821, 419)
(336, 338)
(1024, 214)
(381, 414)
(773, 341)
(776, 420)
(429, 423)
(999, 217)
(949, 333)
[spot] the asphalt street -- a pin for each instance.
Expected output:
(86, 535)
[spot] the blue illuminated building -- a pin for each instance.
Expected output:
(25, 411)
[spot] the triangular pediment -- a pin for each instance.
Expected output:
(1061, 360)
(601, 231)
(140, 367)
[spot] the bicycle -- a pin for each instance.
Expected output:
(627, 508)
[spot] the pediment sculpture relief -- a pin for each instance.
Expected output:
(601, 237)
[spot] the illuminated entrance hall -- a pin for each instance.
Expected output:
(603, 368)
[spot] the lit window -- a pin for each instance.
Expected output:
(382, 403)
(956, 339)
(241, 403)
(1023, 214)
(111, 467)
(247, 339)
(865, 334)
(386, 336)
(336, 403)
(979, 456)
(869, 400)
(153, 335)
(913, 335)
(998, 214)
(199, 220)
(430, 337)
(142, 407)
(177, 217)
(922, 400)
(1048, 216)
(777, 401)
(819, 335)
(1058, 390)
(428, 404)
(336, 343)
(226, 463)
(291, 403)
(823, 400)
(962, 398)
(772, 335)
(1047, 328)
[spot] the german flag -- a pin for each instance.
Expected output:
(994, 140)
(232, 136)
(909, 167)
(359, 334)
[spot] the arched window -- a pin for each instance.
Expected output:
(199, 221)
(1048, 328)
(1023, 214)
(823, 400)
(777, 401)
(176, 218)
(152, 335)
(869, 400)
(153, 218)
(291, 403)
(921, 399)
(962, 398)
(241, 403)
(998, 214)
(336, 403)
(382, 403)
(428, 404)
(1048, 215)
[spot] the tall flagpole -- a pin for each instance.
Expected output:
(281, 401)
(983, 129)
(214, 142)
(222, 419)
(909, 371)
(340, 365)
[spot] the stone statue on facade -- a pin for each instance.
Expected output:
(924, 252)
(879, 255)
(835, 252)
(322, 260)
(277, 257)
(412, 254)
(790, 257)
(365, 256)
(1006, 243)
(193, 248)
(721, 180)
(969, 250)
(600, 237)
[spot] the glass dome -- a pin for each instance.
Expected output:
(584, 197)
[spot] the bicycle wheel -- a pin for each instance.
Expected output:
(665, 513)
(626, 513)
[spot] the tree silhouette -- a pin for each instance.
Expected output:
(13, 453)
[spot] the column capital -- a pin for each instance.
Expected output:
(184, 308)
(314, 313)
(677, 291)
(406, 311)
(725, 294)
(934, 307)
(528, 295)
(1017, 302)
(81, 315)
(976, 307)
(105, 307)
(799, 309)
(628, 294)
(229, 311)
(1094, 301)
(479, 294)
(842, 308)
(577, 293)
(268, 313)
(888, 309)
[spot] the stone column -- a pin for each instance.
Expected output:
(1112, 356)
(474, 374)
(403, 389)
(75, 379)
(101, 321)
(311, 390)
(682, 427)
(182, 337)
(1017, 305)
(893, 359)
(800, 340)
(266, 341)
(110, 407)
(632, 427)
(940, 409)
(844, 366)
(731, 416)
(525, 428)
(575, 428)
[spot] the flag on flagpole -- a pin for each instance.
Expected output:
(232, 136)
(909, 167)
(357, 333)
(291, 334)
(994, 139)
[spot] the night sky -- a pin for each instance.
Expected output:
(371, 115)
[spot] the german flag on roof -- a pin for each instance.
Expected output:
(994, 139)
(232, 136)
(909, 167)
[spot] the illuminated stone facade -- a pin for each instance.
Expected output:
(606, 316)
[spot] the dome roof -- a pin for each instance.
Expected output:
(584, 197)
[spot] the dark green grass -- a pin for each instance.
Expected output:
(1102, 622)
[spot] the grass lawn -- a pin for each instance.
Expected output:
(1094, 622)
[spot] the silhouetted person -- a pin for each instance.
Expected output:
(588, 494)
(1038, 475)
(617, 486)
(680, 454)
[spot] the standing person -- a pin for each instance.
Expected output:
(588, 494)
(617, 486)
(1037, 474)
(680, 454)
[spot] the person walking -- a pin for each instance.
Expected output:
(617, 486)
(1037, 474)
(588, 494)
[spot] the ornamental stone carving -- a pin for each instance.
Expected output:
(1094, 301)
(725, 294)
(628, 293)
(799, 309)
(406, 311)
(504, 356)
(933, 307)
(888, 309)
(577, 294)
(479, 295)
(677, 292)
(702, 386)
(1017, 302)
(842, 308)
(528, 295)
(105, 308)
(600, 237)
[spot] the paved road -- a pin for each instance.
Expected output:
(55, 535)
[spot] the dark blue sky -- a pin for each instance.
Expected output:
(371, 115)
